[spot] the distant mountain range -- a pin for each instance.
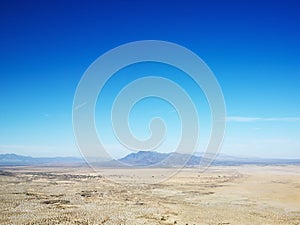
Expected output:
(144, 159)
(152, 158)
(20, 160)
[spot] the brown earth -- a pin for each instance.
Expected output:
(221, 195)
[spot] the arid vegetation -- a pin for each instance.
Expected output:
(222, 195)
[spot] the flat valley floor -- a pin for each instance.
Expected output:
(79, 195)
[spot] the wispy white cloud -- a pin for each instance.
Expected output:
(80, 105)
(261, 119)
(172, 111)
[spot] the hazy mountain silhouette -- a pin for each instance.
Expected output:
(19, 160)
(144, 159)
(152, 158)
(148, 158)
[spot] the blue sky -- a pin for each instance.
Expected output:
(252, 47)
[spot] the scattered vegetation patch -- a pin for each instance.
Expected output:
(56, 201)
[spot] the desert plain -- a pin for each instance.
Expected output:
(249, 194)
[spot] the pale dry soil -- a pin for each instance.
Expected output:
(79, 195)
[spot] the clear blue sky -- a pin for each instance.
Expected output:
(252, 47)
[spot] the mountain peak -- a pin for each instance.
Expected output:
(153, 158)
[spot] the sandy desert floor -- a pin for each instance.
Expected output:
(221, 195)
